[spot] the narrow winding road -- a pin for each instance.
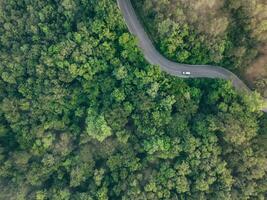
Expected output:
(176, 69)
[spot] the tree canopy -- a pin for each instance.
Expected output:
(83, 116)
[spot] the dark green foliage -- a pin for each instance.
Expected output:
(83, 116)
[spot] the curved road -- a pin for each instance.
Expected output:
(173, 68)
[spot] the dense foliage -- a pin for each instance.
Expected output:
(229, 33)
(83, 116)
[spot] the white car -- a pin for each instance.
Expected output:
(186, 73)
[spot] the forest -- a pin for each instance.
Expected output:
(83, 116)
(227, 33)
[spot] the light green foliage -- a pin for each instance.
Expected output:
(40, 195)
(97, 127)
(163, 147)
(79, 174)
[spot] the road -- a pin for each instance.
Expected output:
(176, 69)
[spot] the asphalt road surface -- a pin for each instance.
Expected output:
(176, 69)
